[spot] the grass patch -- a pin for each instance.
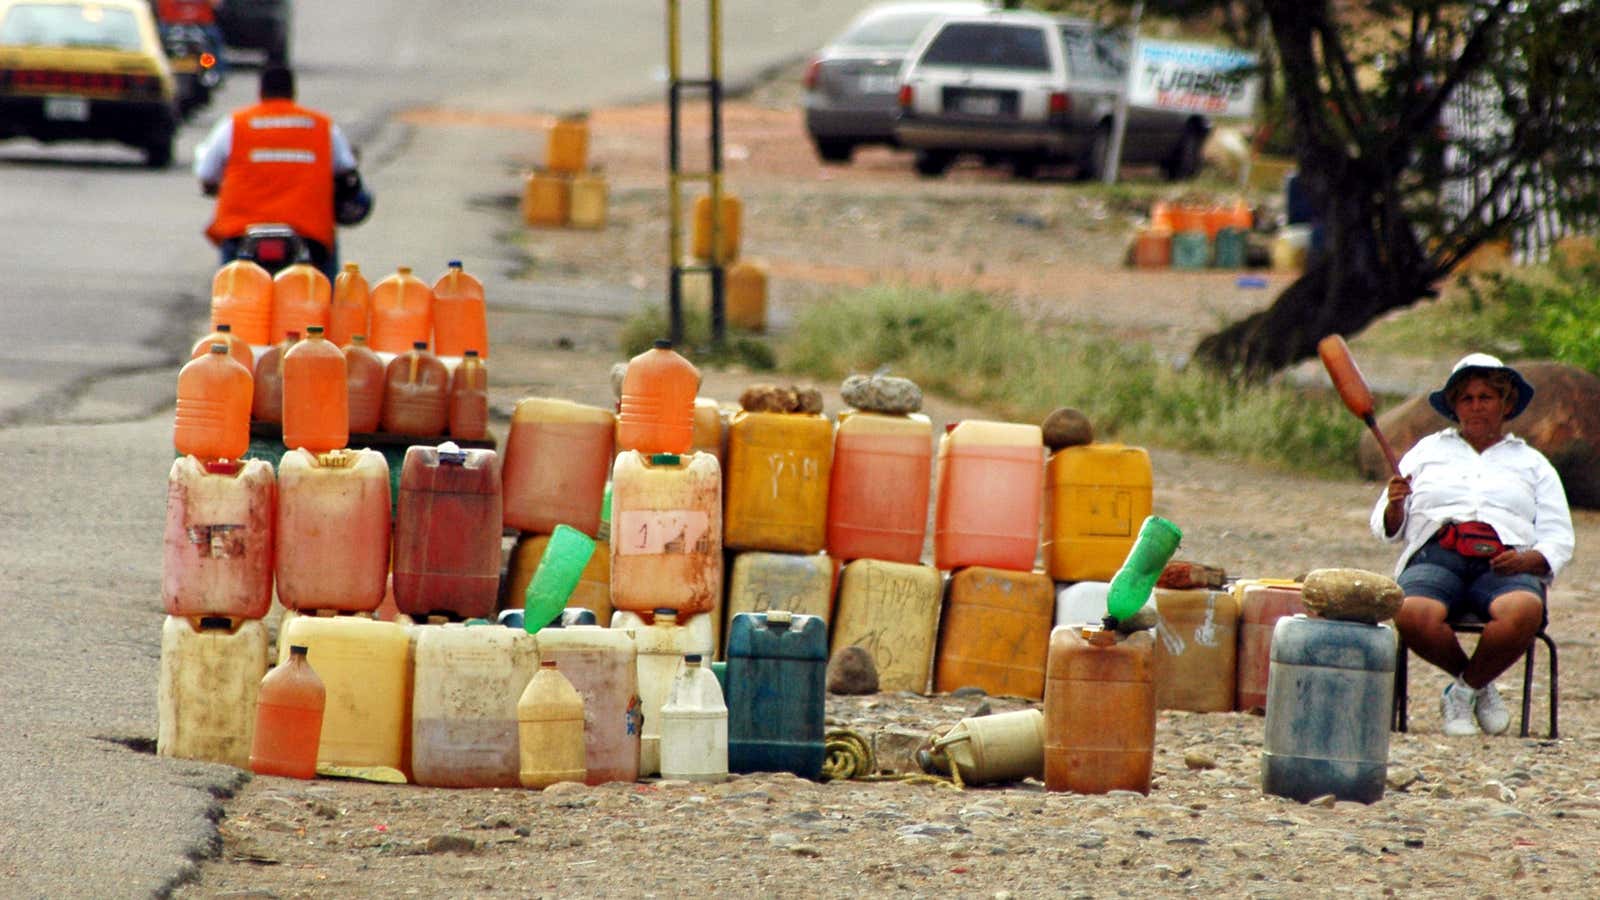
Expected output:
(964, 346)
(640, 331)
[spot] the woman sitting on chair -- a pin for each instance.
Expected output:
(1486, 528)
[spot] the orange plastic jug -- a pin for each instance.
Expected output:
(365, 667)
(547, 199)
(351, 307)
(333, 530)
(1099, 711)
(558, 456)
(666, 533)
(364, 375)
(416, 393)
(1097, 495)
(779, 465)
(210, 676)
(995, 633)
(1197, 642)
(747, 295)
(447, 532)
(1152, 249)
(316, 395)
(459, 318)
(213, 415)
(892, 611)
(465, 684)
(729, 221)
(601, 664)
(550, 727)
(878, 495)
(241, 296)
(589, 198)
(469, 399)
(568, 147)
(1161, 216)
(657, 411)
(783, 581)
(991, 480)
(301, 296)
(289, 720)
(266, 401)
(401, 312)
(594, 585)
(237, 349)
(1262, 602)
(218, 544)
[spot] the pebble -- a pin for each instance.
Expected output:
(852, 671)
(450, 843)
(565, 788)
(1199, 760)
(1399, 778)
(1066, 427)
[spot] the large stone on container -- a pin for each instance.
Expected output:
(1067, 427)
(1351, 595)
(767, 398)
(807, 400)
(882, 394)
(1563, 423)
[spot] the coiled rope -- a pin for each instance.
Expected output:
(849, 756)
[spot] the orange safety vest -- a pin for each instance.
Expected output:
(280, 169)
(186, 12)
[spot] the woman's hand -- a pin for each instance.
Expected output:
(1394, 515)
(1519, 562)
(1399, 490)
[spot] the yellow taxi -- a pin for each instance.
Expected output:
(86, 70)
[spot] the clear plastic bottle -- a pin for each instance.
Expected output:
(289, 719)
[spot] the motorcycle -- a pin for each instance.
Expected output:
(193, 57)
(273, 245)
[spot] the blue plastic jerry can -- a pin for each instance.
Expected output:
(777, 684)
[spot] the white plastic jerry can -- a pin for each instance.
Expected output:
(694, 725)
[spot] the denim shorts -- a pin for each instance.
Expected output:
(1463, 584)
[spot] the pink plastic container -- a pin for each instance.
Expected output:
(218, 548)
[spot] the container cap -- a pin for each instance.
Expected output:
(470, 354)
(663, 344)
(314, 331)
(664, 459)
(692, 658)
(453, 264)
(419, 345)
(547, 664)
(298, 650)
(222, 466)
(225, 328)
(779, 617)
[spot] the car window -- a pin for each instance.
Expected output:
(984, 45)
(69, 25)
(888, 31)
(1100, 57)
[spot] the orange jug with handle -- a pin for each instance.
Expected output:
(878, 494)
(332, 548)
(459, 318)
(300, 298)
(416, 393)
(316, 399)
(657, 412)
(401, 312)
(995, 632)
(727, 225)
(991, 483)
(558, 457)
(776, 498)
(217, 547)
(289, 719)
(213, 416)
(567, 150)
(241, 295)
(666, 533)
(364, 372)
(469, 399)
(1099, 711)
(210, 677)
(890, 610)
(238, 349)
(447, 532)
(266, 400)
(351, 304)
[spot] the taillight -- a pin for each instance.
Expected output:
(907, 95)
(207, 60)
(813, 69)
(1060, 103)
(272, 251)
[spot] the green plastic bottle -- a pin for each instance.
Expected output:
(556, 578)
(1131, 586)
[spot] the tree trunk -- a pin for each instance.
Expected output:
(1369, 264)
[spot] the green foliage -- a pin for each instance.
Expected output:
(640, 331)
(969, 348)
(1555, 312)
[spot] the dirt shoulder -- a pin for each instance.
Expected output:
(1474, 817)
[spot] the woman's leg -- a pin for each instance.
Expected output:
(1514, 619)
(1421, 621)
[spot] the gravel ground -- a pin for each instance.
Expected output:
(1473, 817)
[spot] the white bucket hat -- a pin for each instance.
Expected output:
(1476, 363)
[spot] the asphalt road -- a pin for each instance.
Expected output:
(104, 281)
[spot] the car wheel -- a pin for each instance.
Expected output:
(158, 153)
(933, 163)
(835, 152)
(1185, 159)
(1096, 155)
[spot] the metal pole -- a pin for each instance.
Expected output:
(718, 264)
(674, 197)
(1119, 118)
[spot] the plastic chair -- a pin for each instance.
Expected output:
(1474, 625)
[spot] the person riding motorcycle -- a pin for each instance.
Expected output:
(278, 161)
(199, 13)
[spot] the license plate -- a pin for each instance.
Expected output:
(877, 84)
(66, 109)
(979, 105)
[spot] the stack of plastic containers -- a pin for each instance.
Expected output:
(995, 632)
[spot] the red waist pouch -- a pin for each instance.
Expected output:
(1477, 540)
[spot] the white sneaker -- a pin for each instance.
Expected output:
(1491, 712)
(1456, 706)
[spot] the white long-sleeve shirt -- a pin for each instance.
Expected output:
(1510, 486)
(211, 157)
